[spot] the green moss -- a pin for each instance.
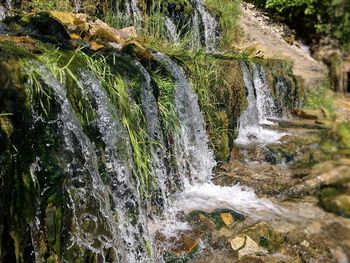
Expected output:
(343, 132)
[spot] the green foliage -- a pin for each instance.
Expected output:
(329, 18)
(320, 98)
(131, 117)
(166, 102)
(45, 5)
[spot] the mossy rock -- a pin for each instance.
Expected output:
(335, 200)
(264, 235)
(343, 132)
(44, 24)
(214, 217)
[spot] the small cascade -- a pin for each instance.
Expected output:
(264, 101)
(8, 4)
(77, 5)
(126, 198)
(195, 32)
(210, 25)
(260, 107)
(85, 187)
(283, 92)
(195, 160)
(171, 27)
(150, 109)
(208, 197)
(133, 12)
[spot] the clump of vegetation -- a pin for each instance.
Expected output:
(227, 11)
(46, 5)
(320, 98)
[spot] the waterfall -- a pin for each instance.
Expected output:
(126, 198)
(112, 210)
(195, 32)
(284, 105)
(260, 107)
(150, 109)
(210, 25)
(171, 27)
(195, 160)
(77, 5)
(85, 187)
(264, 101)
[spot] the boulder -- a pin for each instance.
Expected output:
(76, 23)
(101, 31)
(266, 236)
(337, 203)
(185, 243)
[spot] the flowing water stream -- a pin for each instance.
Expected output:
(261, 106)
(108, 215)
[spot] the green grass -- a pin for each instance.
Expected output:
(131, 117)
(227, 12)
(46, 5)
(166, 102)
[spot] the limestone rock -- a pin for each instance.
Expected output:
(186, 243)
(326, 174)
(206, 221)
(339, 204)
(244, 245)
(227, 218)
(103, 32)
(76, 23)
(308, 114)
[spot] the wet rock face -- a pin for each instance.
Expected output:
(4, 29)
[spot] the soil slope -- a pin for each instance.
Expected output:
(269, 40)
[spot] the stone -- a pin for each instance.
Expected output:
(266, 236)
(308, 114)
(76, 23)
(135, 48)
(186, 243)
(103, 32)
(96, 46)
(245, 246)
(227, 218)
(206, 221)
(339, 204)
(4, 29)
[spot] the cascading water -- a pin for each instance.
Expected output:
(77, 5)
(194, 159)
(171, 27)
(85, 187)
(264, 101)
(195, 32)
(260, 107)
(150, 109)
(106, 214)
(210, 25)
(195, 162)
(126, 198)
(284, 106)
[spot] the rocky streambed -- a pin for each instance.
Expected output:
(305, 175)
